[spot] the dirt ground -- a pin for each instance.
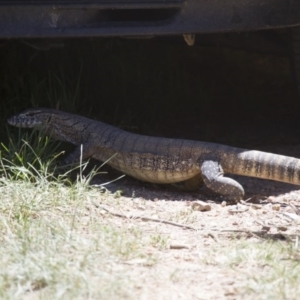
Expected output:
(196, 259)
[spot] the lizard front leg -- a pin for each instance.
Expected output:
(83, 152)
(212, 175)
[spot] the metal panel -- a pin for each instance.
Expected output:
(90, 2)
(146, 18)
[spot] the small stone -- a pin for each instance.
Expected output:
(267, 206)
(266, 228)
(201, 206)
(239, 208)
(276, 207)
(136, 201)
(140, 207)
(256, 206)
(282, 228)
(272, 199)
(223, 204)
(179, 246)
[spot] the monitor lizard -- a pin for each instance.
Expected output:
(157, 159)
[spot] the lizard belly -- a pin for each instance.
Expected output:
(155, 169)
(159, 176)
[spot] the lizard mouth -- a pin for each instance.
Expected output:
(20, 122)
(11, 121)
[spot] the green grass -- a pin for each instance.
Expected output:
(29, 156)
(56, 244)
(53, 245)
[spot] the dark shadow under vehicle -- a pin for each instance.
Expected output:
(24, 19)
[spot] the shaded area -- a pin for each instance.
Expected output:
(161, 87)
(158, 86)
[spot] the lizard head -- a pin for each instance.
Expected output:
(55, 123)
(32, 118)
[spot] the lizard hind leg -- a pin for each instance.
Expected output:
(227, 188)
(191, 184)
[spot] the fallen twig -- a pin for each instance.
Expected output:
(117, 214)
(296, 210)
(143, 218)
(214, 237)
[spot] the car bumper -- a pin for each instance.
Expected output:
(143, 18)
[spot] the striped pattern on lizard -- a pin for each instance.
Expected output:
(160, 160)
